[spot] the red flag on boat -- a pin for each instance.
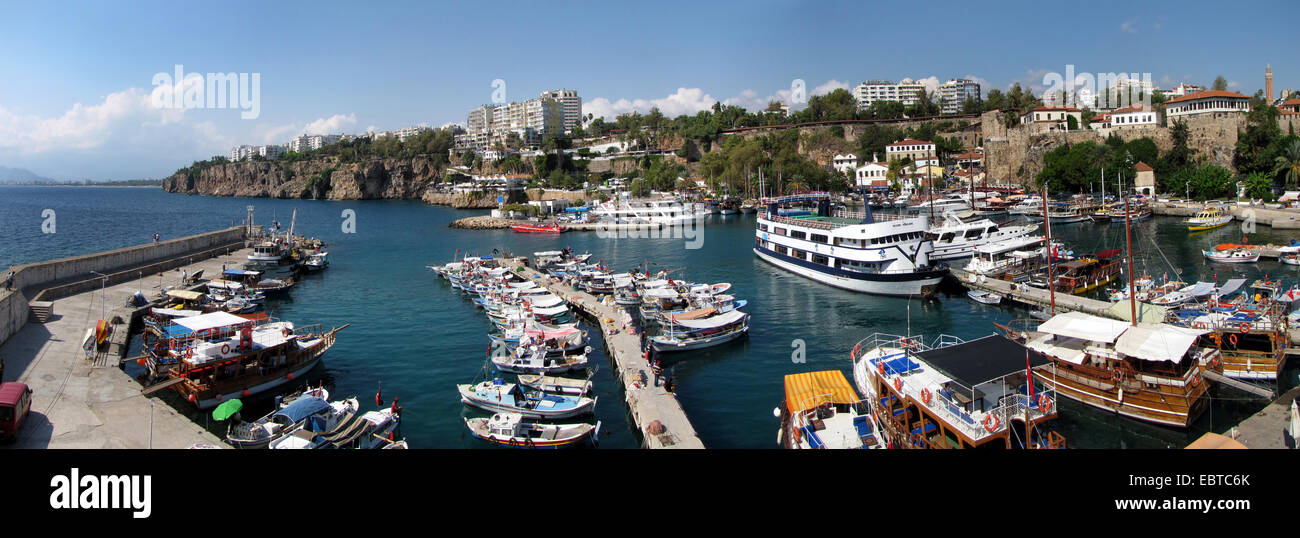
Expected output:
(379, 399)
(1029, 373)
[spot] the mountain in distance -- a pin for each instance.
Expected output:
(20, 175)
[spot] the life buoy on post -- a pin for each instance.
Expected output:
(1245, 327)
(925, 396)
(881, 367)
(898, 383)
(1232, 338)
(1044, 403)
(991, 423)
(225, 349)
(1196, 380)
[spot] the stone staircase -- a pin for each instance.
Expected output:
(40, 311)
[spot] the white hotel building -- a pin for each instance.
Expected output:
(531, 120)
(1207, 102)
(907, 91)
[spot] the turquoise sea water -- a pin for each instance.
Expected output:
(418, 337)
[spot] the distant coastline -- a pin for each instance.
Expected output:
(115, 185)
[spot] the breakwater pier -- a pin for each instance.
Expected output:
(81, 401)
(655, 411)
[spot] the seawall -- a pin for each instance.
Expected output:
(54, 279)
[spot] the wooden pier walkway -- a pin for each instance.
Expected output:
(647, 403)
(1033, 296)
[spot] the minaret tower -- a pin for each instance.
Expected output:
(1268, 83)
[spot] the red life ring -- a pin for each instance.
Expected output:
(925, 395)
(1200, 325)
(881, 367)
(225, 348)
(286, 331)
(171, 344)
(994, 426)
(1196, 380)
(1232, 338)
(898, 383)
(1245, 327)
(189, 352)
(1044, 403)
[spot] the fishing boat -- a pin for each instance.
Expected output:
(267, 252)
(559, 385)
(313, 411)
(1237, 255)
(536, 359)
(984, 297)
(938, 396)
(1089, 272)
(213, 357)
(317, 261)
(821, 410)
(510, 429)
(691, 334)
(538, 228)
(372, 430)
(1208, 219)
(498, 396)
(254, 281)
(884, 255)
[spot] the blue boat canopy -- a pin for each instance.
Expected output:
(577, 209)
(300, 409)
(240, 272)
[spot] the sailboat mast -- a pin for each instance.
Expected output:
(1128, 239)
(1051, 286)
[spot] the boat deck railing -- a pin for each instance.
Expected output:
(910, 343)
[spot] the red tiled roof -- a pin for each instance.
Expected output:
(1132, 108)
(909, 142)
(970, 155)
(1205, 95)
(1143, 167)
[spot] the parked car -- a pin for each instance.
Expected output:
(15, 403)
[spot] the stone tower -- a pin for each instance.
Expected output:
(1268, 83)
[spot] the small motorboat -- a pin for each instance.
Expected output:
(984, 297)
(535, 359)
(1208, 219)
(509, 429)
(498, 396)
(1237, 255)
(310, 411)
(538, 229)
(1290, 259)
(316, 262)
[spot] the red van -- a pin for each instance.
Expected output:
(15, 402)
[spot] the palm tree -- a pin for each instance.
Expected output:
(1289, 162)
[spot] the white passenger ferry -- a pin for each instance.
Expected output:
(664, 211)
(879, 254)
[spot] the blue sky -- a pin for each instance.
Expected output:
(76, 102)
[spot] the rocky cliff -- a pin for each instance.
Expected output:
(322, 179)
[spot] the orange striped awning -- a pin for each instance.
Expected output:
(810, 389)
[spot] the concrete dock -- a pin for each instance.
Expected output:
(80, 402)
(646, 402)
(1033, 296)
(1268, 427)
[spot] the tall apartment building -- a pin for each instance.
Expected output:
(953, 94)
(572, 105)
(272, 151)
(531, 120)
(311, 142)
(907, 91)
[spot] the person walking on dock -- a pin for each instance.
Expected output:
(155, 237)
(9, 280)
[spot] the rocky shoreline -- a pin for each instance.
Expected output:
(482, 222)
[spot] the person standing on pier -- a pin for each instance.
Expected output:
(155, 237)
(9, 280)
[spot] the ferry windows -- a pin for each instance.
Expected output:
(820, 260)
(798, 235)
(780, 249)
(762, 227)
(818, 238)
(778, 231)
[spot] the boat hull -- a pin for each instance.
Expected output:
(668, 346)
(894, 284)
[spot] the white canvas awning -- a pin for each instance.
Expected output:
(543, 301)
(661, 293)
(1147, 313)
(1200, 289)
(211, 321)
(1084, 327)
(1070, 350)
(714, 322)
(1157, 342)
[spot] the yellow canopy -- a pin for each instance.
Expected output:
(810, 389)
(1213, 440)
(185, 295)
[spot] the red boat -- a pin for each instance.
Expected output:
(535, 229)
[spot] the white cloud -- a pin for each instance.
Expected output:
(335, 124)
(683, 101)
(280, 134)
(828, 87)
(1234, 84)
(1129, 26)
(931, 83)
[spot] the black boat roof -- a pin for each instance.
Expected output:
(978, 361)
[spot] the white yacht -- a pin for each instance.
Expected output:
(955, 201)
(879, 254)
(1032, 205)
(1017, 256)
(649, 211)
(956, 239)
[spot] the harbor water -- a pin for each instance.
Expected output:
(418, 338)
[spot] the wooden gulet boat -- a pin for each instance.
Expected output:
(214, 357)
